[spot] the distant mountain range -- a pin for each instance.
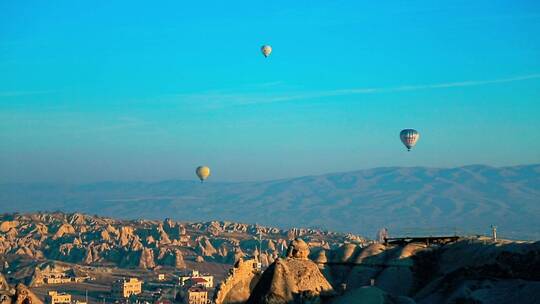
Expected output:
(408, 201)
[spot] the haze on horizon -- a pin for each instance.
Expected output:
(128, 91)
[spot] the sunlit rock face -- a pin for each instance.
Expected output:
(19, 294)
(238, 285)
(294, 279)
(298, 249)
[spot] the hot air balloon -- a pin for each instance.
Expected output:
(203, 172)
(266, 50)
(409, 137)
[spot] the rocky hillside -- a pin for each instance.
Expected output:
(406, 200)
(470, 270)
(299, 265)
(18, 294)
(98, 241)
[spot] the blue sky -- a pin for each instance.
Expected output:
(129, 90)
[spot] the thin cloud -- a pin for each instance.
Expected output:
(435, 86)
(219, 99)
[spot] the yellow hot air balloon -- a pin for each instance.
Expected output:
(203, 172)
(266, 50)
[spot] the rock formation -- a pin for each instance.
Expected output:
(238, 285)
(470, 270)
(269, 244)
(23, 295)
(18, 295)
(3, 283)
(298, 249)
(163, 237)
(287, 280)
(205, 248)
(64, 229)
(146, 260)
(294, 279)
(7, 225)
(179, 262)
(91, 240)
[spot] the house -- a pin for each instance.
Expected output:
(195, 295)
(54, 297)
(197, 282)
(60, 277)
(194, 276)
(124, 288)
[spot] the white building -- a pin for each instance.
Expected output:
(196, 278)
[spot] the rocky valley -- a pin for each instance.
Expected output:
(97, 250)
(84, 255)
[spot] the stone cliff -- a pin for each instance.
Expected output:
(20, 294)
(287, 280)
(239, 284)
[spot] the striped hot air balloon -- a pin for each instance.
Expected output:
(266, 50)
(203, 172)
(409, 137)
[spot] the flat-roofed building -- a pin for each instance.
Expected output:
(124, 288)
(195, 295)
(59, 277)
(54, 297)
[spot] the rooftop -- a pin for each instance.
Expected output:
(197, 289)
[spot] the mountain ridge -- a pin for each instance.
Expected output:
(42, 183)
(465, 199)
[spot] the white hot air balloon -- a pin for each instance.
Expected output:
(266, 50)
(409, 137)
